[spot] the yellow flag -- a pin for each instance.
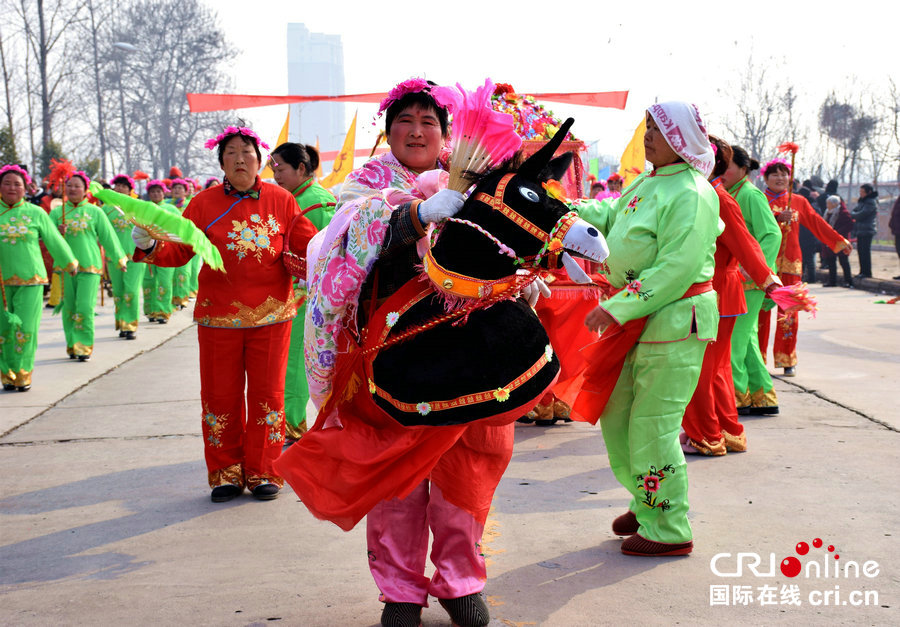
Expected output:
(343, 163)
(282, 137)
(633, 159)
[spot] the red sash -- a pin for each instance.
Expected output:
(589, 391)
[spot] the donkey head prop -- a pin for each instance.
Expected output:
(513, 221)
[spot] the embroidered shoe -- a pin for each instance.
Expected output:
(561, 410)
(710, 449)
(467, 611)
(626, 524)
(265, 492)
(223, 493)
(638, 545)
(735, 443)
(401, 615)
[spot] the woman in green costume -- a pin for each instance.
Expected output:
(24, 275)
(294, 166)
(158, 281)
(661, 235)
(126, 285)
(753, 388)
(181, 276)
(83, 225)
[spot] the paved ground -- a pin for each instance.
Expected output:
(105, 515)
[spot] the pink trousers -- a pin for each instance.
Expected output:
(397, 537)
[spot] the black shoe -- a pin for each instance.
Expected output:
(849, 284)
(84, 358)
(863, 276)
(222, 493)
(129, 335)
(743, 411)
(401, 615)
(266, 492)
(467, 611)
(897, 278)
(121, 333)
(23, 388)
(829, 284)
(790, 371)
(162, 320)
(71, 355)
(764, 411)
(8, 387)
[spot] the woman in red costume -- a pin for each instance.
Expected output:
(710, 420)
(242, 315)
(790, 211)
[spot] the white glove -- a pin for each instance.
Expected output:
(141, 238)
(534, 290)
(445, 204)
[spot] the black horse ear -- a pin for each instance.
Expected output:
(539, 160)
(557, 167)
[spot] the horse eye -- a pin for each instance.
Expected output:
(529, 194)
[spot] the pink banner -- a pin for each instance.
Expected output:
(200, 103)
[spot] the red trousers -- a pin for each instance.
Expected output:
(712, 408)
(785, 348)
(242, 391)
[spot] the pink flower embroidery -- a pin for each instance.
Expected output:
(342, 278)
(374, 175)
(375, 232)
(634, 287)
(651, 483)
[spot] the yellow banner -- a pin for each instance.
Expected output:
(633, 159)
(282, 137)
(343, 163)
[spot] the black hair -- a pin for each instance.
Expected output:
(743, 160)
(122, 179)
(422, 99)
(832, 187)
(868, 187)
(297, 154)
(19, 174)
(246, 140)
(723, 152)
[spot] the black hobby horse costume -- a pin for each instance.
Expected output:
(450, 360)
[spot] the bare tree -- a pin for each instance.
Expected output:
(848, 129)
(7, 90)
(46, 33)
(172, 57)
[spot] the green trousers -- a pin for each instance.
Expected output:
(752, 382)
(296, 390)
(641, 424)
(78, 305)
(158, 292)
(127, 287)
(20, 344)
(181, 284)
(196, 262)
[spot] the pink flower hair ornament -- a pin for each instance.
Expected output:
(14, 168)
(123, 178)
(181, 182)
(235, 130)
(447, 98)
(776, 161)
(80, 174)
(157, 183)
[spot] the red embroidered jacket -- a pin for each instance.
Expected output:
(255, 289)
(736, 245)
(790, 259)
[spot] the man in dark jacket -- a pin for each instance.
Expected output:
(809, 245)
(894, 225)
(866, 216)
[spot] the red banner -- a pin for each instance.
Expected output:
(200, 103)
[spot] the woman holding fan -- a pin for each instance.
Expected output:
(241, 315)
(790, 210)
(23, 275)
(83, 225)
